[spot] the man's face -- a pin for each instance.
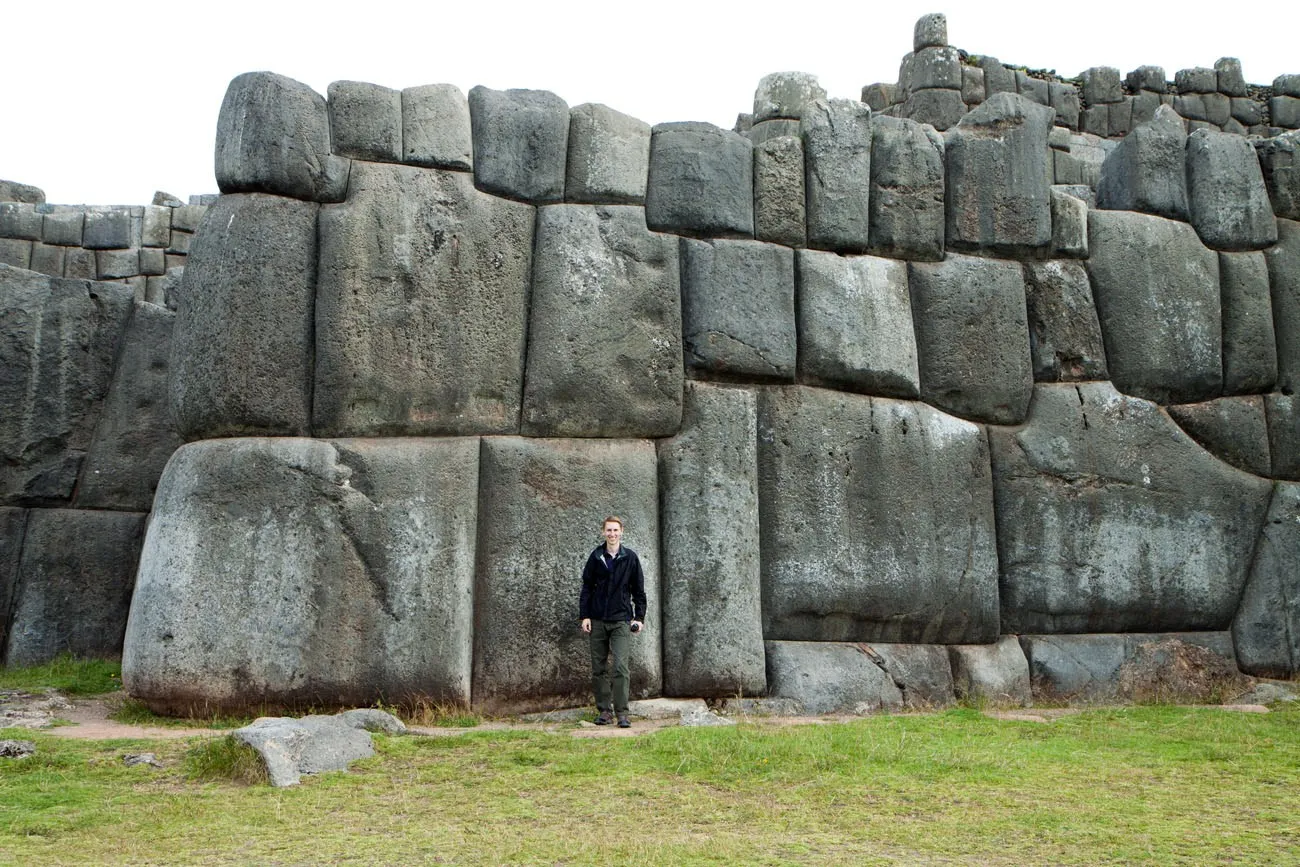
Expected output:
(613, 533)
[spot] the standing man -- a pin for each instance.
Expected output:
(612, 608)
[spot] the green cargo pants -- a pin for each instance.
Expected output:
(610, 637)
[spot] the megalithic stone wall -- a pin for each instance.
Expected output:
(872, 396)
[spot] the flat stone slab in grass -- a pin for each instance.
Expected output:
(830, 677)
(298, 572)
(315, 744)
(422, 305)
(1109, 518)
(877, 520)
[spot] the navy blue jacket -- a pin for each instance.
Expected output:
(612, 591)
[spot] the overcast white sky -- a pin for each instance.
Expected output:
(103, 103)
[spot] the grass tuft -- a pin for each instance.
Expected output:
(134, 712)
(434, 713)
(67, 674)
(224, 759)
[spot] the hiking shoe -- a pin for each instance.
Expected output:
(624, 722)
(605, 718)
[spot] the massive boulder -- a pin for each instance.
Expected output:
(543, 502)
(365, 121)
(604, 342)
(421, 309)
(1146, 171)
(877, 520)
(1266, 630)
(907, 189)
(307, 572)
(1065, 341)
(837, 170)
(701, 181)
(435, 127)
(1249, 345)
(1110, 519)
(712, 598)
(609, 156)
(521, 140)
(1157, 293)
(1226, 196)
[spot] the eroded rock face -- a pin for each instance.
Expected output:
(829, 677)
(1233, 429)
(701, 181)
(1109, 518)
(907, 189)
(1146, 171)
(307, 572)
(1266, 630)
(995, 673)
(877, 521)
(1091, 668)
(521, 140)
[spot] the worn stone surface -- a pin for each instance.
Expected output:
(1266, 630)
(779, 203)
(844, 483)
(1233, 429)
(1101, 84)
(13, 523)
(785, 95)
(72, 596)
(829, 677)
(59, 341)
(972, 85)
(273, 136)
(770, 129)
(972, 336)
(63, 225)
(994, 673)
(135, 435)
(1069, 225)
(708, 482)
(930, 30)
(999, 173)
(1157, 293)
(738, 308)
(907, 189)
(20, 220)
(1283, 262)
(1146, 171)
(855, 324)
(935, 66)
(1249, 346)
(604, 347)
(1226, 196)
(107, 228)
(402, 261)
(609, 156)
(313, 744)
(521, 142)
(1281, 170)
(365, 121)
(435, 127)
(307, 572)
(1065, 342)
(1284, 111)
(701, 181)
(837, 160)
(998, 78)
(1282, 411)
(1110, 519)
(941, 108)
(243, 339)
(880, 95)
(1150, 78)
(547, 499)
(1087, 668)
(13, 191)
(921, 672)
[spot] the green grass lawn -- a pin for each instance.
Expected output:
(1157, 785)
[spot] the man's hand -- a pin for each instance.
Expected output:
(637, 626)
(586, 624)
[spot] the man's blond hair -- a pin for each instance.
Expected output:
(615, 518)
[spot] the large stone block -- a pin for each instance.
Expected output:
(779, 202)
(1157, 293)
(135, 435)
(785, 95)
(273, 136)
(935, 66)
(307, 572)
(999, 175)
(1282, 412)
(421, 308)
(1089, 668)
(1146, 171)
(1065, 341)
(1033, 89)
(74, 585)
(1281, 170)
(13, 523)
(1226, 196)
(837, 169)
(20, 220)
(921, 672)
(547, 499)
(994, 673)
(972, 335)
(855, 324)
(59, 341)
(1233, 429)
(365, 121)
(1284, 111)
(701, 181)
(906, 194)
(63, 225)
(1109, 518)
(738, 308)
(1069, 222)
(1283, 262)
(609, 156)
(1101, 84)
(604, 341)
(13, 191)
(521, 139)
(435, 128)
(107, 228)
(1266, 630)
(941, 108)
(829, 677)
(1249, 345)
(712, 596)
(877, 521)
(930, 30)
(242, 345)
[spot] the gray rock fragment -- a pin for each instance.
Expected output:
(521, 140)
(1287, 85)
(311, 745)
(1149, 78)
(880, 96)
(1034, 89)
(107, 229)
(21, 221)
(1198, 79)
(1249, 345)
(930, 30)
(1069, 225)
(1233, 429)
(436, 128)
(997, 77)
(994, 673)
(906, 198)
(972, 86)
(12, 749)
(785, 95)
(1101, 85)
(1065, 340)
(365, 121)
(770, 129)
(1280, 165)
(706, 717)
(609, 156)
(837, 160)
(131, 760)
(779, 201)
(372, 720)
(63, 226)
(1146, 172)
(1064, 99)
(828, 677)
(921, 672)
(1228, 76)
(701, 181)
(935, 67)
(941, 108)
(606, 319)
(1226, 196)
(12, 191)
